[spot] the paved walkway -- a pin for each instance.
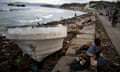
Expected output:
(113, 32)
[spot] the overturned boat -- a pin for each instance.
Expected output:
(38, 41)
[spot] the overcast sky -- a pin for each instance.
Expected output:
(52, 1)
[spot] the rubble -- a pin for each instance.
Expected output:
(109, 50)
(12, 56)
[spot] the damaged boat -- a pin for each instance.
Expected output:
(38, 41)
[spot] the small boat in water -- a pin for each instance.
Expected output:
(38, 41)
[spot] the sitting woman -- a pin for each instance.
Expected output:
(93, 52)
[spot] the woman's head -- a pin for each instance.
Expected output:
(89, 43)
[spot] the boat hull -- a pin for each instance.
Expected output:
(38, 42)
(39, 49)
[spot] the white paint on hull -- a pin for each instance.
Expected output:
(38, 42)
(39, 49)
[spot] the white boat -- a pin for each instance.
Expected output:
(38, 41)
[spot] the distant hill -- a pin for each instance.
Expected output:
(105, 3)
(73, 5)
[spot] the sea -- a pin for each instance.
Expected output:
(31, 15)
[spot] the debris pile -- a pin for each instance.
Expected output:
(109, 50)
(12, 58)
